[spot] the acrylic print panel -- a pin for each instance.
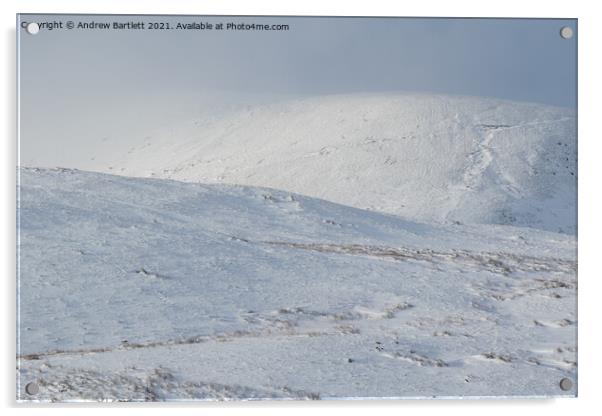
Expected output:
(223, 207)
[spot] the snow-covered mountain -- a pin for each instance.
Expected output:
(151, 289)
(423, 157)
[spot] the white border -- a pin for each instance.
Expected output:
(590, 209)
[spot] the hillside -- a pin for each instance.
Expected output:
(151, 289)
(423, 157)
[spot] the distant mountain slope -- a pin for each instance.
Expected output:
(423, 157)
(148, 289)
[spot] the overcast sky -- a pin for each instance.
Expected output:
(81, 86)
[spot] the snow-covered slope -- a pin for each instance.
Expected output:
(148, 289)
(423, 157)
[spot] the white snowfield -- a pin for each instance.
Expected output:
(424, 157)
(153, 289)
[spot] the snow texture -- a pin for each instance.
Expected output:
(336, 247)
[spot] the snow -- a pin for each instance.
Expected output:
(141, 289)
(428, 158)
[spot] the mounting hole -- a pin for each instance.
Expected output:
(566, 384)
(566, 32)
(32, 28)
(32, 388)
